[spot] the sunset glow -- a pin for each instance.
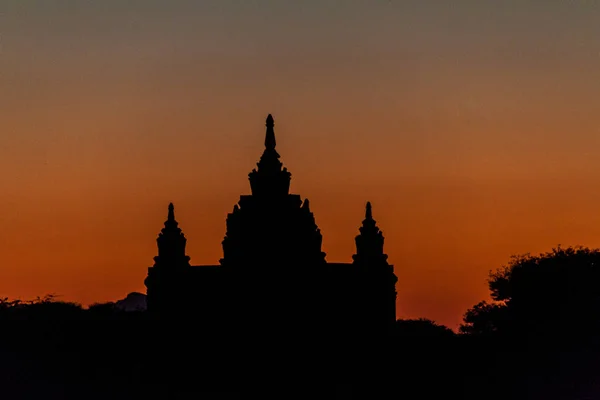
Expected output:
(472, 127)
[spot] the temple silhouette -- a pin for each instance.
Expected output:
(273, 271)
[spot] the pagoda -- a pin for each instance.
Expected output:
(273, 269)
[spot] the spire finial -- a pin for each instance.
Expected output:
(171, 216)
(369, 212)
(270, 136)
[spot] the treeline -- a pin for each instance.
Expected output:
(539, 338)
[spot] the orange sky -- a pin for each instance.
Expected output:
(472, 129)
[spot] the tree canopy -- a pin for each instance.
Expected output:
(557, 291)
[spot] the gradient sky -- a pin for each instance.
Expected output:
(472, 126)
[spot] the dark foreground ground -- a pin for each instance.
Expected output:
(130, 357)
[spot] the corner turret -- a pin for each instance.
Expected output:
(378, 307)
(369, 244)
(171, 244)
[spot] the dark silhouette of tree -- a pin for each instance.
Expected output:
(542, 325)
(422, 328)
(484, 318)
(554, 293)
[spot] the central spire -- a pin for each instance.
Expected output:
(270, 178)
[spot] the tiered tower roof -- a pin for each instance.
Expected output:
(271, 178)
